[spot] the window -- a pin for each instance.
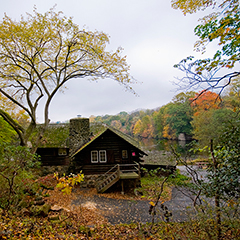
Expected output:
(98, 156)
(94, 156)
(102, 156)
(62, 152)
(124, 154)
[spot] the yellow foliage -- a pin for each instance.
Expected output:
(66, 183)
(191, 6)
(137, 127)
(168, 132)
(152, 203)
(41, 52)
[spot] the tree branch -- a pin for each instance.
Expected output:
(18, 128)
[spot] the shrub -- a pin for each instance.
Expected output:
(17, 167)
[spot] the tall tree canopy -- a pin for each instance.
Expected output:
(40, 53)
(221, 26)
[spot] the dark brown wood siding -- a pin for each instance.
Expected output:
(51, 157)
(113, 144)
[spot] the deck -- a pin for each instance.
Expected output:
(129, 175)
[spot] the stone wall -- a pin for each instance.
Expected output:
(78, 133)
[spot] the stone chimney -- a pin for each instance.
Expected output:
(79, 133)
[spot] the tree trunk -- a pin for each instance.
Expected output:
(217, 196)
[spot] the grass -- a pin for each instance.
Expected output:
(151, 187)
(151, 184)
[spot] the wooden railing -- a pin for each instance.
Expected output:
(124, 168)
(106, 180)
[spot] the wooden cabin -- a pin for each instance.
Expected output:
(107, 149)
(111, 154)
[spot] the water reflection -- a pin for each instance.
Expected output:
(165, 145)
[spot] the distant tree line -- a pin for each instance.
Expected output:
(202, 115)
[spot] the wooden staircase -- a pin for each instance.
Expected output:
(117, 172)
(108, 179)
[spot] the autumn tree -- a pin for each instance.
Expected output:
(221, 26)
(204, 121)
(40, 53)
(205, 100)
(217, 72)
(175, 117)
(144, 127)
(116, 124)
(137, 130)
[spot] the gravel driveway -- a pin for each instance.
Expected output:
(128, 211)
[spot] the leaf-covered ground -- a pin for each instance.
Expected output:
(71, 228)
(86, 221)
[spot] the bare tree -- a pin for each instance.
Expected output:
(206, 79)
(39, 54)
(220, 26)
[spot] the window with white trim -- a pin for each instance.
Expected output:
(98, 156)
(94, 156)
(102, 156)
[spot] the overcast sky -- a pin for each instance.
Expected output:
(154, 37)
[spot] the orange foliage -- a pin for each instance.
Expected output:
(204, 101)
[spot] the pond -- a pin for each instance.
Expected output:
(181, 147)
(160, 151)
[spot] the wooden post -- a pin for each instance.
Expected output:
(122, 187)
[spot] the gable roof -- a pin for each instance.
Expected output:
(122, 135)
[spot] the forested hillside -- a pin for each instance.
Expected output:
(201, 116)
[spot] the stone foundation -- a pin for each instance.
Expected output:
(89, 181)
(45, 170)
